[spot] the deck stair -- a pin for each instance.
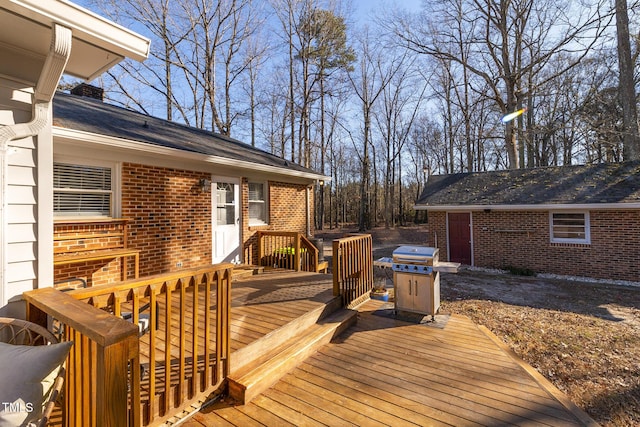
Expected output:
(258, 366)
(243, 270)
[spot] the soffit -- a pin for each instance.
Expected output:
(98, 44)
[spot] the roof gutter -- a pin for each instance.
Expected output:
(127, 144)
(539, 207)
(54, 65)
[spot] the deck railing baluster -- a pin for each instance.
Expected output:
(106, 346)
(286, 249)
(352, 268)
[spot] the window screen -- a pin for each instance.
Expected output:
(257, 203)
(570, 227)
(81, 190)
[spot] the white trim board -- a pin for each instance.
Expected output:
(540, 207)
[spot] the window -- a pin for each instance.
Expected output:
(570, 227)
(225, 204)
(257, 203)
(83, 190)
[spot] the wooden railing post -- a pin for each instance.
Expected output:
(97, 381)
(111, 382)
(296, 254)
(336, 267)
(260, 247)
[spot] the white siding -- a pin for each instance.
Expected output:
(21, 233)
(24, 213)
(22, 251)
(21, 196)
(21, 175)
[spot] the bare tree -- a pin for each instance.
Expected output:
(500, 34)
(395, 116)
(368, 81)
(627, 92)
(135, 82)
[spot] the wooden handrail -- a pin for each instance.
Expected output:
(353, 268)
(287, 249)
(180, 357)
(97, 384)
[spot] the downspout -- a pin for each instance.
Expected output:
(54, 65)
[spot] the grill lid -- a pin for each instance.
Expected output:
(413, 254)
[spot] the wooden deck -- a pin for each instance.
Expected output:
(263, 303)
(260, 304)
(384, 371)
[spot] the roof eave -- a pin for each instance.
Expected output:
(151, 149)
(91, 33)
(537, 207)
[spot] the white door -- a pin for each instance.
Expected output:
(226, 219)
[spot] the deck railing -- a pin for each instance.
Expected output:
(353, 268)
(290, 250)
(173, 350)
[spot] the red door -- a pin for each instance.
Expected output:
(460, 238)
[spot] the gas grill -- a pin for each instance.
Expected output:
(416, 283)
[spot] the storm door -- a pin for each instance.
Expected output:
(226, 219)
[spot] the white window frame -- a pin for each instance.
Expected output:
(265, 188)
(116, 169)
(587, 228)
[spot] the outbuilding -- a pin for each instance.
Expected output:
(567, 220)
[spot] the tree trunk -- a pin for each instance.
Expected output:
(627, 92)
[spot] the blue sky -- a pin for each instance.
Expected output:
(367, 5)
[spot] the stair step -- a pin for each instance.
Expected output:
(255, 377)
(252, 353)
(242, 270)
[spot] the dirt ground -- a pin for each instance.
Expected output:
(582, 336)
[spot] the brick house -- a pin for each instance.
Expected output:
(182, 197)
(567, 220)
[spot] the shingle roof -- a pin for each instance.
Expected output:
(91, 115)
(588, 184)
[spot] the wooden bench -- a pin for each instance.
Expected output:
(61, 259)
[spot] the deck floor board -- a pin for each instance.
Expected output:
(384, 371)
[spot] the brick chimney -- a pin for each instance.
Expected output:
(89, 91)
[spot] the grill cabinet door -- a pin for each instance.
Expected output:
(418, 293)
(403, 283)
(422, 300)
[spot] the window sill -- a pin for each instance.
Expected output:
(570, 245)
(89, 220)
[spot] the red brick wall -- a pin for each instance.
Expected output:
(170, 217)
(437, 233)
(86, 237)
(521, 240)
(170, 222)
